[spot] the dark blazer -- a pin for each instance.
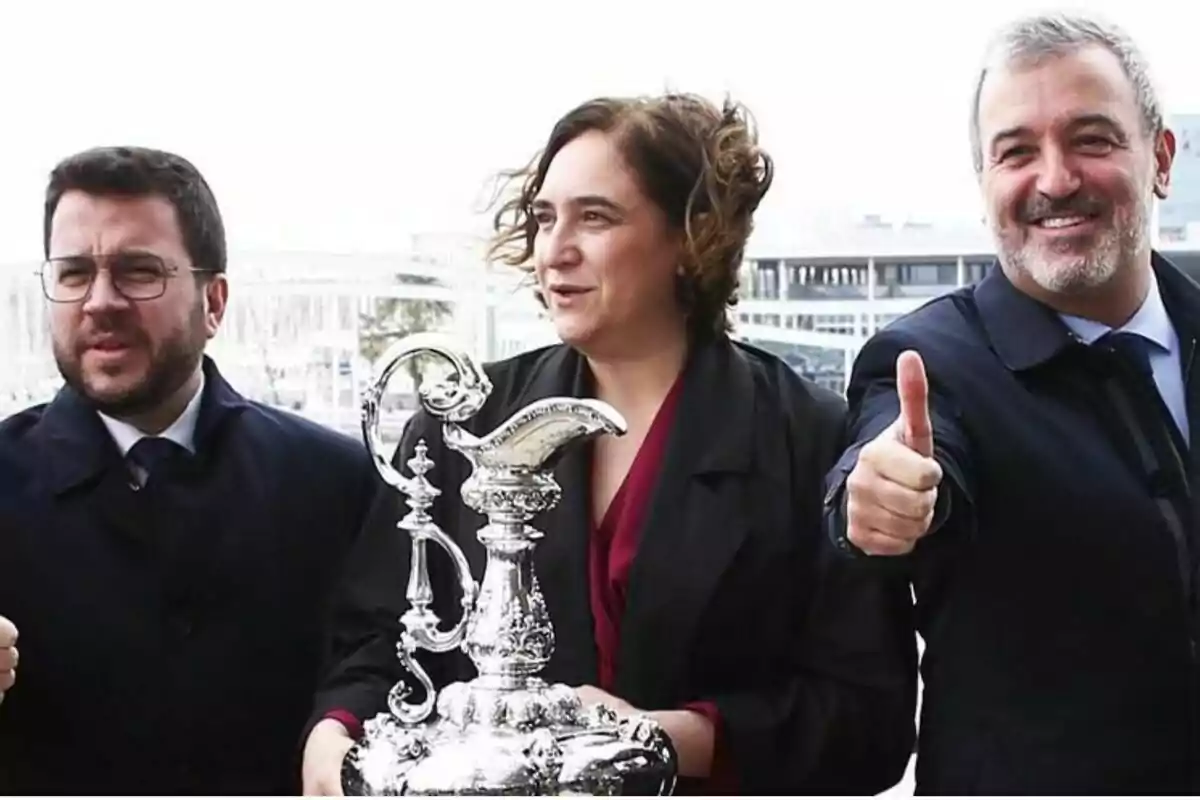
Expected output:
(730, 598)
(13, 476)
(1057, 600)
(175, 649)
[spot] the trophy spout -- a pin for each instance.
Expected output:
(533, 439)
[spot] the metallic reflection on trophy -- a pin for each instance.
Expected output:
(506, 731)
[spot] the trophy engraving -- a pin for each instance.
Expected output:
(506, 731)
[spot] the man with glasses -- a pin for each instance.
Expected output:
(172, 555)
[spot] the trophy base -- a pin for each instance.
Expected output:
(597, 756)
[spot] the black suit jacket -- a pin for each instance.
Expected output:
(170, 648)
(732, 598)
(1056, 600)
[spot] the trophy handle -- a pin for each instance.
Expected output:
(408, 713)
(455, 400)
(420, 622)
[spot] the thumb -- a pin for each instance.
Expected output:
(8, 633)
(916, 429)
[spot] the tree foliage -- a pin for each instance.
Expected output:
(392, 318)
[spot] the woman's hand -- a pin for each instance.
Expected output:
(324, 751)
(691, 733)
(591, 696)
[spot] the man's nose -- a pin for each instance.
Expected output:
(1058, 174)
(103, 295)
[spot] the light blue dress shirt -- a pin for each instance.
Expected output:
(1152, 323)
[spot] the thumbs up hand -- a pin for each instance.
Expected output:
(892, 491)
(8, 656)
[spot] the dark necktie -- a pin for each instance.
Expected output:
(153, 452)
(1134, 352)
(1133, 348)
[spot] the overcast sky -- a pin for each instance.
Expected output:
(348, 126)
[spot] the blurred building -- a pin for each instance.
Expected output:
(293, 333)
(816, 298)
(1179, 214)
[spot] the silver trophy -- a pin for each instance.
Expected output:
(506, 731)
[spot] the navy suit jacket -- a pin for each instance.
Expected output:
(1057, 598)
(170, 642)
(13, 476)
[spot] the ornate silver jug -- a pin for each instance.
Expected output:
(506, 731)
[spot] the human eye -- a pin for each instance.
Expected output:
(138, 267)
(1094, 144)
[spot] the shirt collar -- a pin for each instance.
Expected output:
(1151, 321)
(182, 431)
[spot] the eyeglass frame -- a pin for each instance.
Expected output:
(169, 269)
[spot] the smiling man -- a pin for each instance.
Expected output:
(169, 548)
(1026, 451)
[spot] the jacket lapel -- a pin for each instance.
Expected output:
(79, 455)
(1181, 297)
(198, 534)
(694, 525)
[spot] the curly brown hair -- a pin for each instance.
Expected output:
(700, 164)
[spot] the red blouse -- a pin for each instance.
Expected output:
(613, 547)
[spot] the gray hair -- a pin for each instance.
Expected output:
(1031, 40)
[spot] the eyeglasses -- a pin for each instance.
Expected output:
(135, 276)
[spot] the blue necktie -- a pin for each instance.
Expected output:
(1132, 347)
(1134, 350)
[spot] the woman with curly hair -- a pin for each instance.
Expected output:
(684, 567)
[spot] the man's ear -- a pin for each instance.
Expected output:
(216, 298)
(1164, 157)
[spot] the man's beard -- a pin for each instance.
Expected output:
(1067, 271)
(171, 364)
